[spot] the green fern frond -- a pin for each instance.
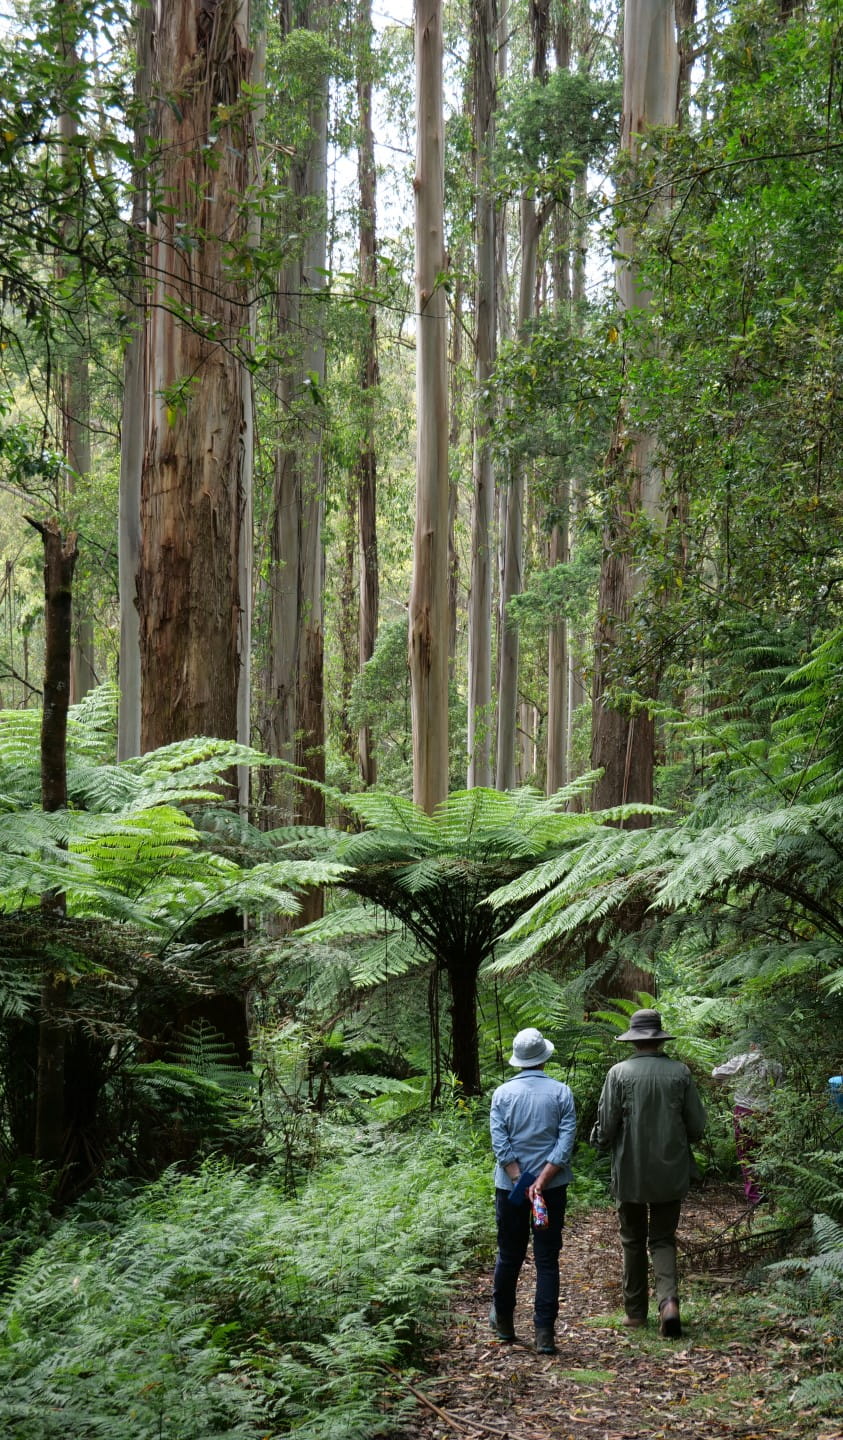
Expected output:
(821, 1391)
(391, 813)
(385, 958)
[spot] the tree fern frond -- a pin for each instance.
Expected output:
(364, 1087)
(385, 958)
(391, 813)
(92, 724)
(354, 921)
(380, 847)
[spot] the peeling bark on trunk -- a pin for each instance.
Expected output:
(484, 32)
(132, 419)
(686, 14)
(622, 744)
(622, 741)
(296, 724)
(194, 497)
(59, 564)
(428, 619)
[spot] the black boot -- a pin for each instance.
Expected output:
(670, 1324)
(503, 1326)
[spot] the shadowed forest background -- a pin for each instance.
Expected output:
(420, 512)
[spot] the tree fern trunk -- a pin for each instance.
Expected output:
(465, 1055)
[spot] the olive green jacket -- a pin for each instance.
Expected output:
(649, 1113)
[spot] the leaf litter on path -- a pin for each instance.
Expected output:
(606, 1383)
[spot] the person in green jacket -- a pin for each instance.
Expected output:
(649, 1114)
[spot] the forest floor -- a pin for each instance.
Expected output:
(728, 1378)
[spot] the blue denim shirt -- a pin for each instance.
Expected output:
(533, 1120)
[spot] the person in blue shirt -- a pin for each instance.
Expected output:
(533, 1125)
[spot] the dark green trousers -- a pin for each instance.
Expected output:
(643, 1228)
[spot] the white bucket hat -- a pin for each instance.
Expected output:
(530, 1048)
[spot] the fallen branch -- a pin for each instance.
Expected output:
(452, 1419)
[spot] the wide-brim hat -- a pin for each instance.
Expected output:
(645, 1025)
(530, 1048)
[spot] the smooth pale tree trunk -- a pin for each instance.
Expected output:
(367, 465)
(578, 644)
(428, 619)
(484, 34)
(194, 501)
(558, 668)
(529, 724)
(457, 387)
(132, 418)
(623, 741)
(348, 620)
(296, 720)
(512, 520)
(59, 563)
(558, 660)
(512, 536)
(76, 448)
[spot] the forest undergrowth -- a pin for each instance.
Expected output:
(213, 1306)
(731, 1376)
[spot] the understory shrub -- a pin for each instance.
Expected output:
(212, 1307)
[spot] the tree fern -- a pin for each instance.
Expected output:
(424, 880)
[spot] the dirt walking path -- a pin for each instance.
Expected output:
(728, 1378)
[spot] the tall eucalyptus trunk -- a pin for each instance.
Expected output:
(76, 449)
(296, 728)
(577, 644)
(559, 548)
(484, 35)
(195, 476)
(623, 739)
(428, 619)
(367, 464)
(512, 536)
(456, 392)
(132, 417)
(74, 380)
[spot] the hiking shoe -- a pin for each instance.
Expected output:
(545, 1340)
(503, 1326)
(670, 1326)
(634, 1322)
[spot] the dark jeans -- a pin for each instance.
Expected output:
(650, 1227)
(513, 1239)
(746, 1144)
